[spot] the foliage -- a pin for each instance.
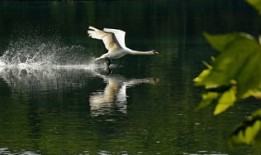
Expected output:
(235, 72)
(232, 76)
(256, 4)
(248, 130)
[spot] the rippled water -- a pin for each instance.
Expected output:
(55, 100)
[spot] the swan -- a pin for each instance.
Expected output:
(114, 41)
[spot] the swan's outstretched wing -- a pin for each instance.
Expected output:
(109, 39)
(119, 34)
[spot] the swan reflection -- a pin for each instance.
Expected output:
(114, 95)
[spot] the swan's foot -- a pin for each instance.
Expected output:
(106, 71)
(106, 61)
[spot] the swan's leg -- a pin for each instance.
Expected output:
(108, 61)
(103, 71)
(108, 70)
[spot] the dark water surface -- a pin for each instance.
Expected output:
(53, 100)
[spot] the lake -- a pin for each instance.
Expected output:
(55, 100)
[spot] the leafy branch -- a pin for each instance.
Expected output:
(235, 74)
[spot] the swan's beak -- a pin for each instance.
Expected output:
(155, 52)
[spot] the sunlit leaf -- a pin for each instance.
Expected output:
(202, 76)
(248, 132)
(248, 135)
(226, 100)
(253, 92)
(256, 4)
(207, 99)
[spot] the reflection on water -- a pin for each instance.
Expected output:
(48, 123)
(24, 78)
(6, 151)
(114, 95)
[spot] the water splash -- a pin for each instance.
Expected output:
(40, 51)
(42, 64)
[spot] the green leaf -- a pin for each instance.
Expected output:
(248, 135)
(220, 42)
(226, 100)
(256, 4)
(198, 80)
(253, 92)
(207, 99)
(248, 131)
(249, 78)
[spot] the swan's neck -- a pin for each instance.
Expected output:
(134, 52)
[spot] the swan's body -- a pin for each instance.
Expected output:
(114, 41)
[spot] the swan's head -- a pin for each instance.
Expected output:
(154, 52)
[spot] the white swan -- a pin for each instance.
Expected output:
(114, 41)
